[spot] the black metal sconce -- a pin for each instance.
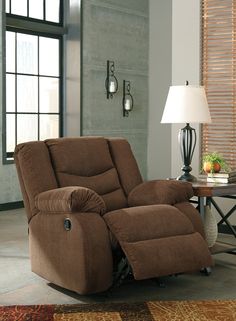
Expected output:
(111, 81)
(128, 101)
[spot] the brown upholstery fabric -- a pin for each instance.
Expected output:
(125, 163)
(86, 161)
(70, 199)
(79, 259)
(160, 192)
(162, 236)
(102, 183)
(193, 215)
(77, 179)
(169, 255)
(83, 156)
(112, 200)
(36, 172)
(147, 222)
(22, 186)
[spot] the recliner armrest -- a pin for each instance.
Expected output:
(160, 192)
(70, 199)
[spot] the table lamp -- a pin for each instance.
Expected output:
(186, 104)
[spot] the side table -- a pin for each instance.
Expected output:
(205, 192)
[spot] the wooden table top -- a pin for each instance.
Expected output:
(202, 188)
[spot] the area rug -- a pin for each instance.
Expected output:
(149, 311)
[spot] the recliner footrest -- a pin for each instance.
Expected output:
(158, 240)
(165, 256)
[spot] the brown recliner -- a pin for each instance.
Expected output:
(86, 202)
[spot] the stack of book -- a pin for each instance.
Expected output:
(222, 177)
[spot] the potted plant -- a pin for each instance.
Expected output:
(213, 163)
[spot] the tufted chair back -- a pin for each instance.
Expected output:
(106, 166)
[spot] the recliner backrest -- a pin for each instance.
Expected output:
(125, 163)
(106, 166)
(35, 172)
(87, 162)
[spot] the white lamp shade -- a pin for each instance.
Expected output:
(186, 104)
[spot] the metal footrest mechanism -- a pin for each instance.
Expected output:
(122, 272)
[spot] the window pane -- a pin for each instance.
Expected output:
(10, 51)
(27, 54)
(29, 122)
(49, 126)
(52, 10)
(36, 9)
(19, 7)
(10, 133)
(27, 93)
(48, 56)
(48, 95)
(7, 5)
(10, 93)
(11, 143)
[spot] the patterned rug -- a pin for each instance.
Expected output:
(149, 311)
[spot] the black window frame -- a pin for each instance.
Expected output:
(28, 18)
(40, 28)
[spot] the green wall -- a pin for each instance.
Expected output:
(118, 31)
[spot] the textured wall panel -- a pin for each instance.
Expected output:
(116, 30)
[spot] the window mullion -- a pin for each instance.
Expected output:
(44, 10)
(27, 8)
(38, 95)
(35, 26)
(16, 88)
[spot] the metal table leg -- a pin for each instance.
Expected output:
(225, 217)
(201, 202)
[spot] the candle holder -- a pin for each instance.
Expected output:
(128, 101)
(111, 82)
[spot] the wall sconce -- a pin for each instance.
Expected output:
(128, 101)
(111, 83)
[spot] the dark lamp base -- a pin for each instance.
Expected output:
(187, 141)
(187, 177)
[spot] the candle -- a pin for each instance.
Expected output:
(112, 87)
(127, 104)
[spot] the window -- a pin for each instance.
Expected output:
(45, 10)
(219, 77)
(33, 72)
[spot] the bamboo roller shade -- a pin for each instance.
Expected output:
(219, 77)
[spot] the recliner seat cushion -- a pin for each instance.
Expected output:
(87, 162)
(147, 223)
